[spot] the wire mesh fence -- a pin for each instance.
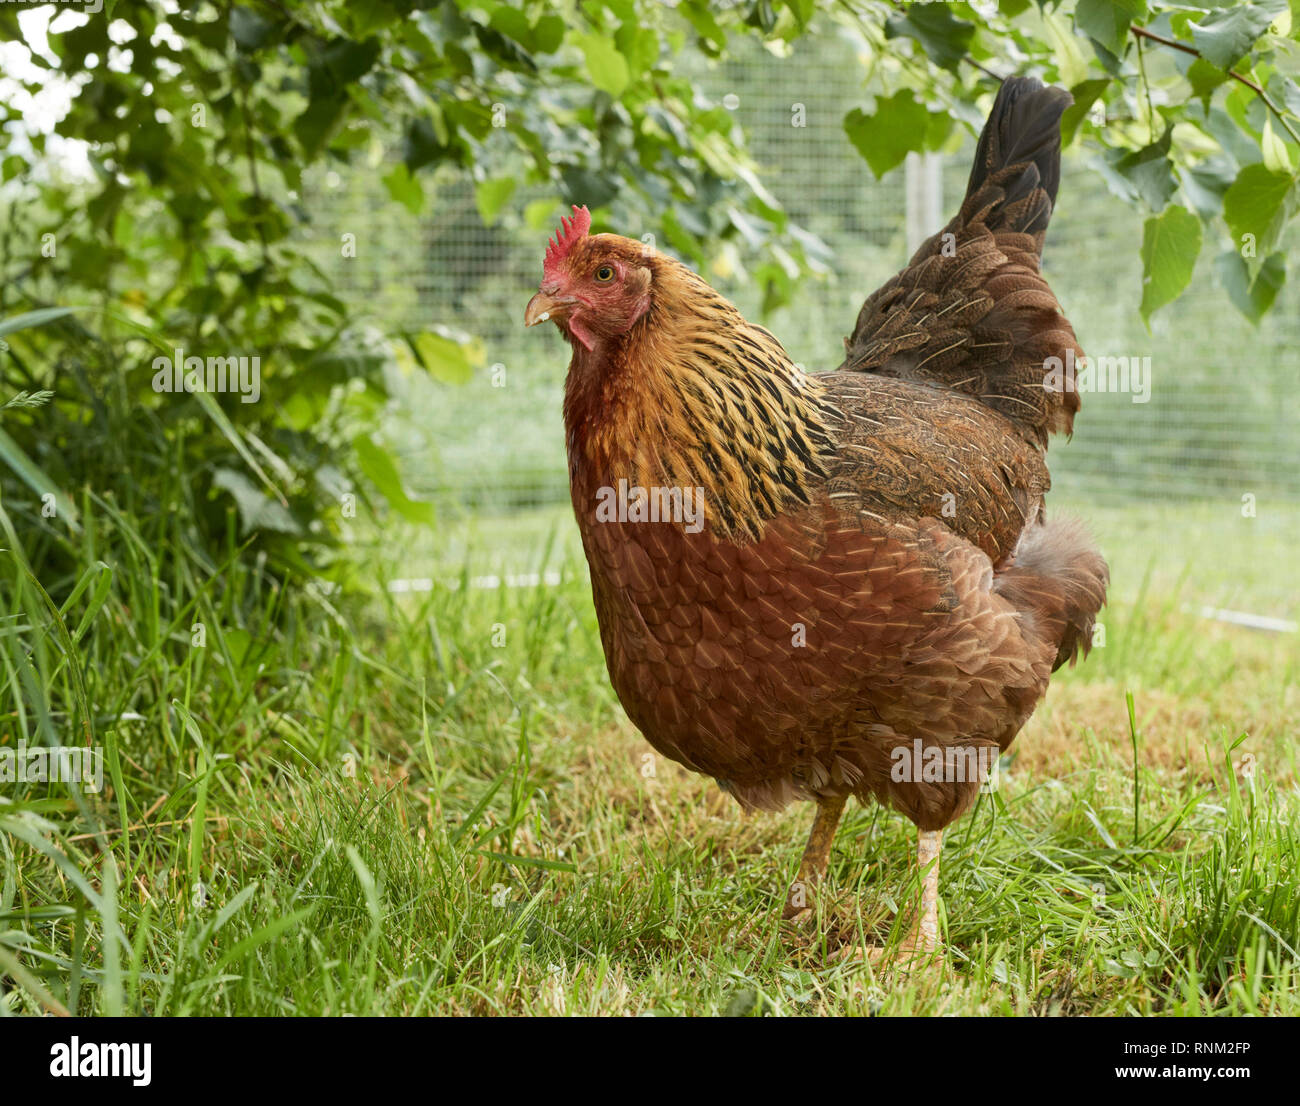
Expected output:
(1213, 419)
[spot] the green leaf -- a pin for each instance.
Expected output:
(1171, 243)
(405, 188)
(257, 511)
(1256, 206)
(263, 936)
(1204, 79)
(532, 861)
(1071, 62)
(1204, 186)
(762, 16)
(380, 469)
(213, 410)
(249, 30)
(639, 47)
(1252, 297)
(1288, 92)
(443, 358)
(1146, 174)
(1085, 93)
(885, 138)
(1276, 155)
(548, 34)
(606, 67)
(945, 38)
(318, 122)
(713, 39)
(491, 196)
(539, 214)
(1108, 21)
(1226, 36)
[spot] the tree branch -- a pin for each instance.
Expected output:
(1142, 32)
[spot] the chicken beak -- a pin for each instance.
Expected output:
(544, 306)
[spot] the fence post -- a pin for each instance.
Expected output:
(924, 192)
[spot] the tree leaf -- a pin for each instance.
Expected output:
(606, 67)
(1226, 36)
(381, 470)
(1085, 93)
(257, 511)
(405, 188)
(443, 358)
(945, 38)
(1146, 174)
(1276, 155)
(249, 30)
(1205, 184)
(1251, 296)
(491, 196)
(1256, 206)
(1108, 21)
(1171, 243)
(1204, 79)
(548, 34)
(897, 128)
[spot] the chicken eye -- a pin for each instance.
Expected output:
(605, 273)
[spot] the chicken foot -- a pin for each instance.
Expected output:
(925, 934)
(816, 856)
(922, 943)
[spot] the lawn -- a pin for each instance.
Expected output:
(428, 801)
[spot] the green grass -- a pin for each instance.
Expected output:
(432, 803)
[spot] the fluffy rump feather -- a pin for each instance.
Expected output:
(1058, 576)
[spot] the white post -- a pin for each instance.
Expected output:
(924, 186)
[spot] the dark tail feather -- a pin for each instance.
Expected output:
(971, 311)
(1060, 579)
(1020, 151)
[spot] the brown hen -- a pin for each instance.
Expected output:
(816, 586)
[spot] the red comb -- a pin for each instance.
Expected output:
(557, 249)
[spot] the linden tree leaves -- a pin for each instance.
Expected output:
(1146, 174)
(1085, 93)
(490, 196)
(1252, 296)
(606, 67)
(1108, 21)
(896, 128)
(945, 38)
(1171, 243)
(443, 357)
(1256, 206)
(1224, 37)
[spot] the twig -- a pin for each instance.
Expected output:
(1146, 89)
(1142, 32)
(987, 72)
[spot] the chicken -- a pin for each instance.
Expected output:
(811, 586)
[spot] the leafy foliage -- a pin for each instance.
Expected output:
(1190, 109)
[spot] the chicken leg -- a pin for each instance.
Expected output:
(816, 855)
(924, 938)
(921, 945)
